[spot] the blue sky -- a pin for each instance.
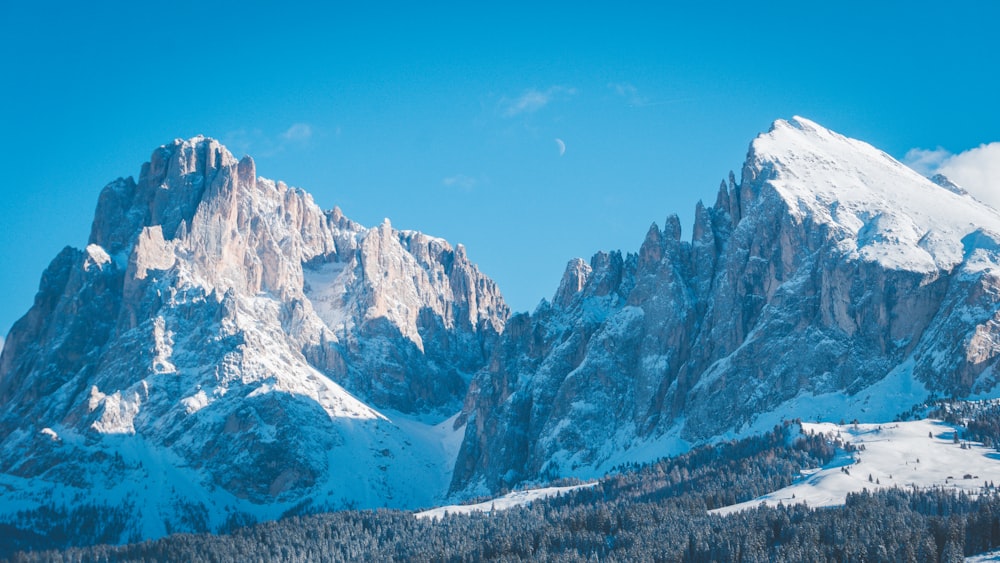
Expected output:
(446, 120)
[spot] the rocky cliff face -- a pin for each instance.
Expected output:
(830, 282)
(223, 349)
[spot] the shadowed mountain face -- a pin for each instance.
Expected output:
(223, 347)
(830, 282)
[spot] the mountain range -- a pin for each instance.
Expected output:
(224, 351)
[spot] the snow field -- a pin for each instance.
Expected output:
(919, 454)
(510, 500)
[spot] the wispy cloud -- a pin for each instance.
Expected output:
(976, 170)
(926, 161)
(533, 99)
(257, 143)
(460, 181)
(629, 92)
(298, 133)
(635, 99)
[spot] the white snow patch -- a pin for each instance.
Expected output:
(96, 257)
(510, 500)
(879, 401)
(326, 288)
(622, 447)
(984, 557)
(164, 342)
(407, 234)
(334, 399)
(398, 461)
(118, 412)
(642, 450)
(95, 398)
(195, 402)
(920, 454)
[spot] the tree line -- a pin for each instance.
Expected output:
(657, 511)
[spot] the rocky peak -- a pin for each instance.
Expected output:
(170, 188)
(652, 247)
(574, 279)
(946, 183)
(608, 269)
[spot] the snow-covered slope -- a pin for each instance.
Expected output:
(887, 212)
(505, 502)
(915, 454)
(223, 350)
(830, 281)
(984, 557)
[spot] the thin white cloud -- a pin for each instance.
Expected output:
(246, 141)
(623, 88)
(976, 170)
(926, 161)
(533, 99)
(633, 98)
(298, 133)
(257, 143)
(629, 92)
(460, 181)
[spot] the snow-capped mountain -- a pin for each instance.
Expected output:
(223, 350)
(830, 282)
